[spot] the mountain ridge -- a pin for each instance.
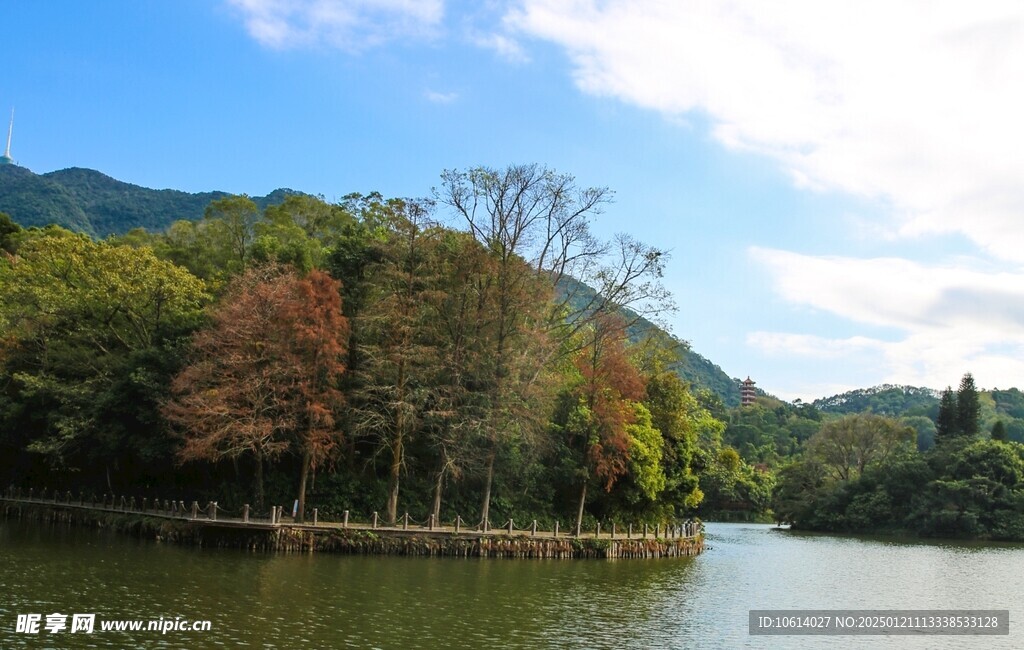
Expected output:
(89, 201)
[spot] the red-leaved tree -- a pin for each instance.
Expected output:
(609, 387)
(264, 374)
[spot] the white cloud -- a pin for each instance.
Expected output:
(946, 320)
(350, 25)
(809, 345)
(504, 45)
(437, 97)
(915, 103)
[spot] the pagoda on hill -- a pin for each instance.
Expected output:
(747, 392)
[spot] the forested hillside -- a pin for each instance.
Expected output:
(85, 200)
(886, 399)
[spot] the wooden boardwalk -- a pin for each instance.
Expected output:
(211, 525)
(212, 516)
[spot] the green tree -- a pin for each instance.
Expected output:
(947, 424)
(9, 234)
(302, 231)
(677, 415)
(399, 357)
(925, 427)
(968, 408)
(231, 222)
(848, 445)
(91, 331)
(646, 450)
(999, 431)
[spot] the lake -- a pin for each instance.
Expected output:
(299, 600)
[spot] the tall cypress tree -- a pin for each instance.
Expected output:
(968, 409)
(947, 422)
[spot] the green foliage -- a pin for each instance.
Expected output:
(645, 453)
(999, 431)
(882, 400)
(958, 489)
(925, 428)
(731, 485)
(86, 201)
(93, 332)
(968, 408)
(847, 446)
(770, 435)
(947, 423)
(681, 420)
(9, 234)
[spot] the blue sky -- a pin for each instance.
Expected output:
(840, 184)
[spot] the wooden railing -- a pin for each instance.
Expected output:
(246, 517)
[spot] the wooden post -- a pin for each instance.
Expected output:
(245, 513)
(629, 533)
(124, 504)
(577, 531)
(144, 502)
(645, 531)
(458, 523)
(430, 522)
(657, 531)
(30, 490)
(344, 520)
(597, 532)
(375, 520)
(195, 509)
(533, 529)
(314, 516)
(510, 525)
(613, 530)
(405, 522)
(556, 528)
(131, 503)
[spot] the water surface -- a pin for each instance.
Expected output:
(300, 600)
